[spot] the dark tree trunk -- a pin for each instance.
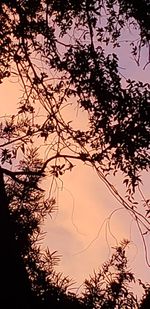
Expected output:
(14, 286)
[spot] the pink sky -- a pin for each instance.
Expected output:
(76, 230)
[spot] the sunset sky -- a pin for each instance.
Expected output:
(81, 230)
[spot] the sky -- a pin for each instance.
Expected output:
(88, 221)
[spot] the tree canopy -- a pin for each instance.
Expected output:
(64, 54)
(57, 51)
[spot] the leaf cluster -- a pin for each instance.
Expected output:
(118, 132)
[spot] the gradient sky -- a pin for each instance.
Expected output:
(79, 230)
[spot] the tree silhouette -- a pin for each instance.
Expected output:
(18, 229)
(28, 277)
(56, 50)
(27, 273)
(110, 287)
(32, 34)
(145, 301)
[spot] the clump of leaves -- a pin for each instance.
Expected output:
(110, 287)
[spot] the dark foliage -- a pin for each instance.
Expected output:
(84, 72)
(110, 287)
(28, 276)
(56, 50)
